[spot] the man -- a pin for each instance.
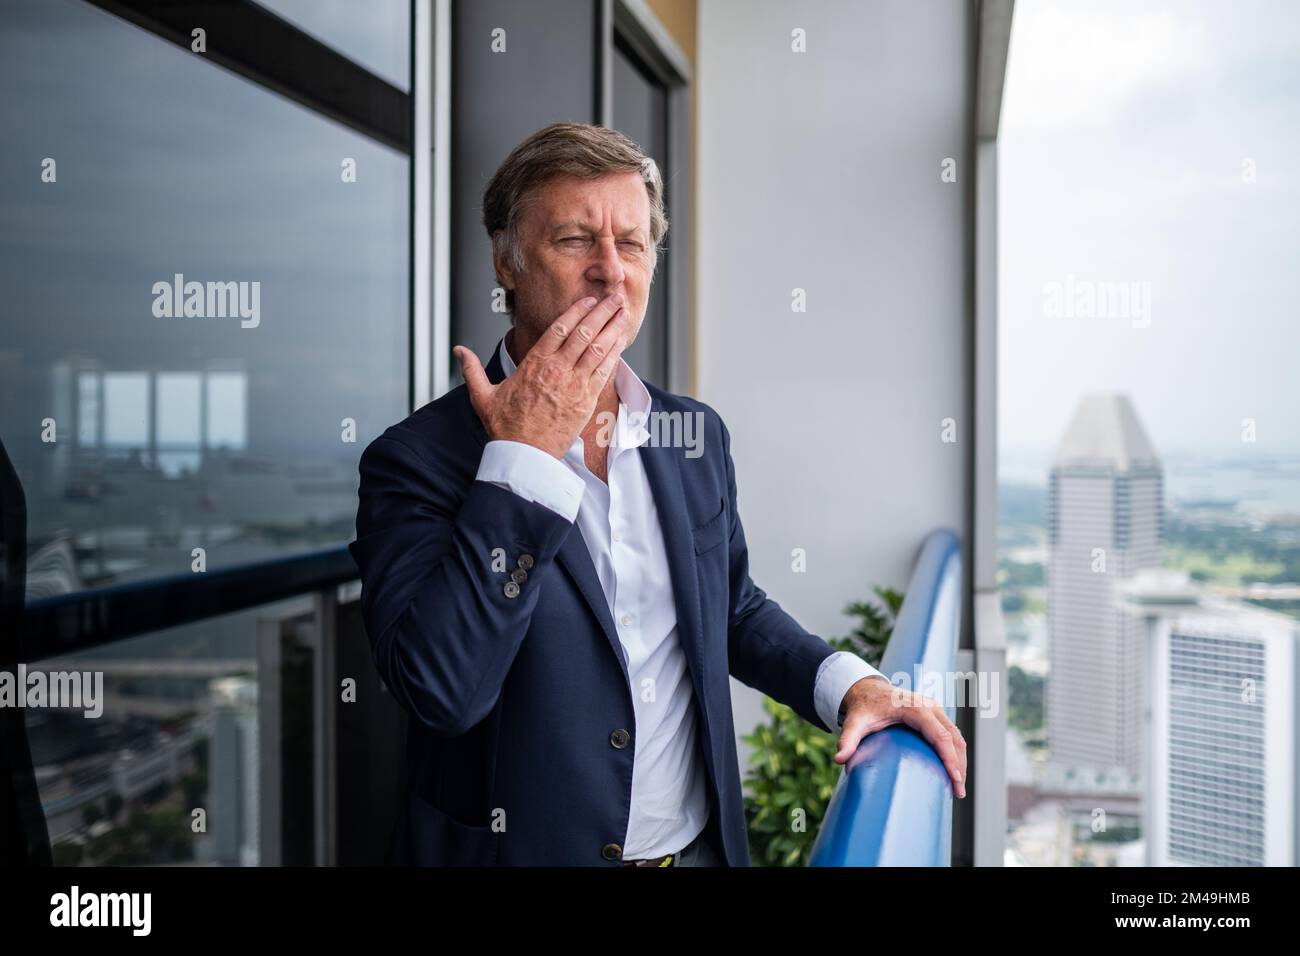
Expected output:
(556, 600)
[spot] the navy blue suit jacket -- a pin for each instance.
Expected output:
(512, 701)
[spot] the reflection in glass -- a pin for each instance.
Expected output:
(130, 162)
(227, 400)
(166, 762)
(126, 409)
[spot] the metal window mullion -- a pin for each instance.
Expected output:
(440, 70)
(422, 356)
(325, 691)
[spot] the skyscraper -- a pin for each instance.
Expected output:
(1105, 522)
(1222, 739)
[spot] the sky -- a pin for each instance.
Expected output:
(1128, 137)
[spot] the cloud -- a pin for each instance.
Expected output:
(1076, 65)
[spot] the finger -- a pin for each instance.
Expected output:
(598, 351)
(923, 719)
(942, 739)
(959, 747)
(857, 726)
(559, 330)
(476, 380)
(959, 742)
(600, 375)
(586, 331)
(851, 735)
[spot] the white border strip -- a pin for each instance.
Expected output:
(441, 344)
(422, 346)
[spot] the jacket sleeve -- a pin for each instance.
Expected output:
(436, 568)
(767, 648)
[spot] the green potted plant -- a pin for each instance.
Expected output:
(792, 773)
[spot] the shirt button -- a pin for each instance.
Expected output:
(618, 535)
(511, 589)
(612, 851)
(526, 562)
(619, 739)
(519, 575)
(626, 620)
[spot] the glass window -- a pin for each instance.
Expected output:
(189, 745)
(376, 34)
(641, 112)
(206, 290)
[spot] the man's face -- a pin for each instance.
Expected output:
(583, 238)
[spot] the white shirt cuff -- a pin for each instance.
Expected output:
(533, 474)
(835, 676)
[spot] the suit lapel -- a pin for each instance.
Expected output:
(663, 469)
(495, 372)
(664, 472)
(577, 561)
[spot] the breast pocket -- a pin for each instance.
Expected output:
(712, 532)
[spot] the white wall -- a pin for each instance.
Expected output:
(821, 171)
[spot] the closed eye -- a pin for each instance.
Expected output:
(575, 241)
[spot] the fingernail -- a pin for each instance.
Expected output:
(617, 299)
(589, 302)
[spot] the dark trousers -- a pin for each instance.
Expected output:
(698, 853)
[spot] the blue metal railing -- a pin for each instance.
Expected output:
(893, 805)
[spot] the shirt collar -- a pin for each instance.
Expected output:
(633, 401)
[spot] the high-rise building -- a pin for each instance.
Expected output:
(1105, 522)
(1221, 740)
(234, 795)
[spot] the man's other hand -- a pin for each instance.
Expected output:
(873, 703)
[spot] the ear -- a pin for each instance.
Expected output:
(501, 262)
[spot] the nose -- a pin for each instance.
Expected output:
(606, 267)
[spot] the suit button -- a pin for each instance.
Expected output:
(619, 739)
(519, 575)
(511, 589)
(526, 562)
(612, 851)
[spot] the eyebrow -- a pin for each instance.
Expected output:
(587, 227)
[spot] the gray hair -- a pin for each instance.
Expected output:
(574, 149)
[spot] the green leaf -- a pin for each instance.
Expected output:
(791, 764)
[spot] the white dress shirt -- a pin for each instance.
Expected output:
(620, 526)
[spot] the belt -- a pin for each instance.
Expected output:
(668, 859)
